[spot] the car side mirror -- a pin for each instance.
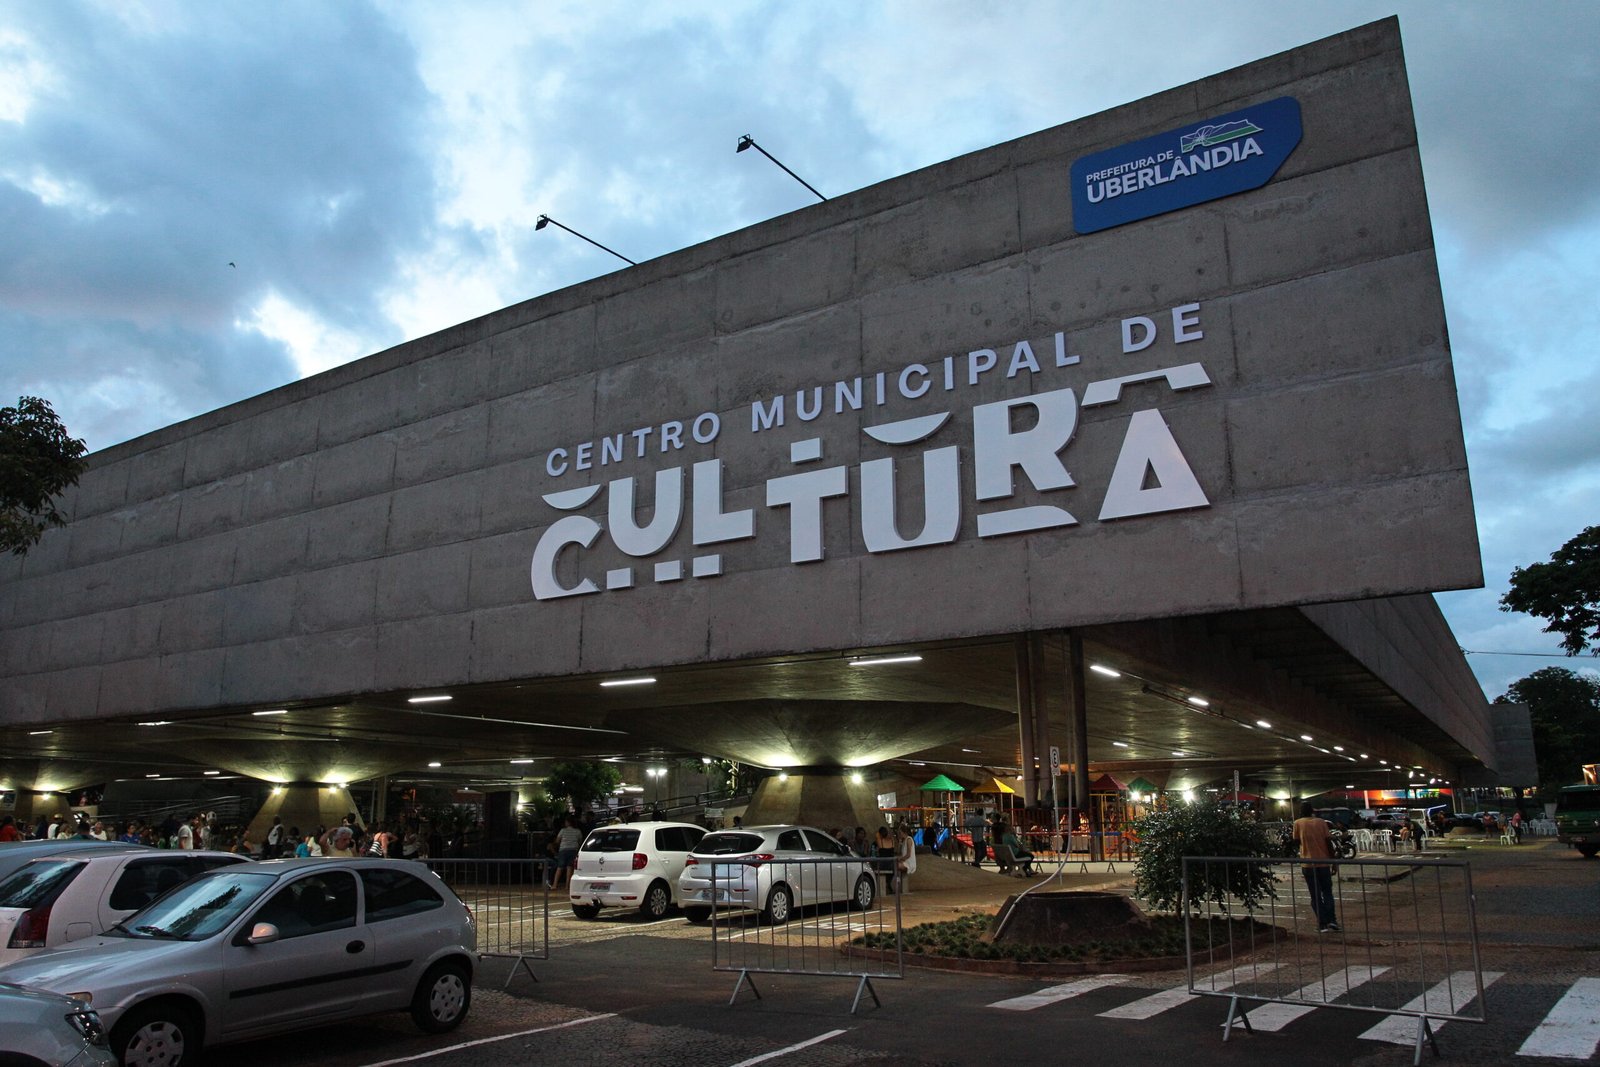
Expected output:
(262, 934)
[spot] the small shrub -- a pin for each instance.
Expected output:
(1200, 829)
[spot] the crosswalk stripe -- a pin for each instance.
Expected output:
(1271, 1017)
(1447, 997)
(1059, 992)
(1167, 999)
(1571, 1030)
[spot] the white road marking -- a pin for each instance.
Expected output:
(1167, 999)
(765, 1056)
(1271, 1017)
(1059, 992)
(491, 1040)
(1447, 998)
(1571, 1030)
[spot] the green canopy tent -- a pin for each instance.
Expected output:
(942, 783)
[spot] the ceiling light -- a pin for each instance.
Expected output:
(705, 759)
(1107, 671)
(1338, 748)
(157, 722)
(1305, 737)
(152, 776)
(277, 790)
(274, 711)
(627, 681)
(429, 699)
(884, 659)
(1365, 756)
(1175, 752)
(1200, 702)
(39, 733)
(783, 776)
(856, 778)
(974, 751)
(1384, 762)
(522, 761)
(1264, 724)
(435, 764)
(211, 772)
(1247, 726)
(1120, 744)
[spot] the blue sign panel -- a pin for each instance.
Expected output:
(1209, 160)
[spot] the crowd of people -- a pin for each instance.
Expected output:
(203, 830)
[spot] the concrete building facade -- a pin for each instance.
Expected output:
(944, 411)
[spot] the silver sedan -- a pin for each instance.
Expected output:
(256, 949)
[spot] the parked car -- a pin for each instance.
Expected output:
(260, 948)
(51, 901)
(47, 1028)
(14, 854)
(634, 865)
(772, 870)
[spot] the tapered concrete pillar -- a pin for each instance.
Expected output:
(302, 806)
(825, 799)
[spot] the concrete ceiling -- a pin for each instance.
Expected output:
(954, 709)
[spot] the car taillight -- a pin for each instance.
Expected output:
(30, 929)
(758, 859)
(639, 860)
(691, 862)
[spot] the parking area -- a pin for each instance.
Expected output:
(621, 989)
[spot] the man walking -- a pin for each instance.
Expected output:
(1311, 834)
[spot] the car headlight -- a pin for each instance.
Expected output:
(87, 1022)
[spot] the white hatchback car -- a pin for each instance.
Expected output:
(773, 870)
(632, 865)
(57, 899)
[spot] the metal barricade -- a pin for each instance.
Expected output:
(1402, 940)
(510, 900)
(798, 916)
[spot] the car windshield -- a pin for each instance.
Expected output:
(37, 883)
(198, 909)
(612, 839)
(728, 843)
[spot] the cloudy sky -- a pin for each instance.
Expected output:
(202, 201)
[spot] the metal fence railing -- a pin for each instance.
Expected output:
(797, 917)
(511, 902)
(1396, 936)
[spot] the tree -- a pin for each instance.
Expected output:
(1200, 829)
(1565, 709)
(581, 781)
(38, 459)
(1565, 591)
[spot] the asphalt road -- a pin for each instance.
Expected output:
(621, 991)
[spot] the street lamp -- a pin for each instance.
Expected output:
(747, 141)
(545, 220)
(655, 774)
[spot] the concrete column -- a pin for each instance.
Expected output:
(1078, 716)
(826, 799)
(1038, 769)
(303, 806)
(1027, 712)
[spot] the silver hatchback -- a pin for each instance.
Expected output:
(772, 870)
(261, 948)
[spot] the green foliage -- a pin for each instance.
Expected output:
(582, 782)
(1565, 709)
(1564, 591)
(1200, 829)
(38, 459)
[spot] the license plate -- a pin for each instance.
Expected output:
(599, 887)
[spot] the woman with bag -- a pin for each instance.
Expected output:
(905, 858)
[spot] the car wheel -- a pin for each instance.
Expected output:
(1589, 851)
(657, 901)
(779, 904)
(698, 916)
(585, 911)
(866, 892)
(157, 1035)
(442, 998)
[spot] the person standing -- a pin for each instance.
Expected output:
(274, 844)
(8, 829)
(884, 852)
(905, 858)
(1311, 834)
(185, 834)
(977, 826)
(567, 842)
